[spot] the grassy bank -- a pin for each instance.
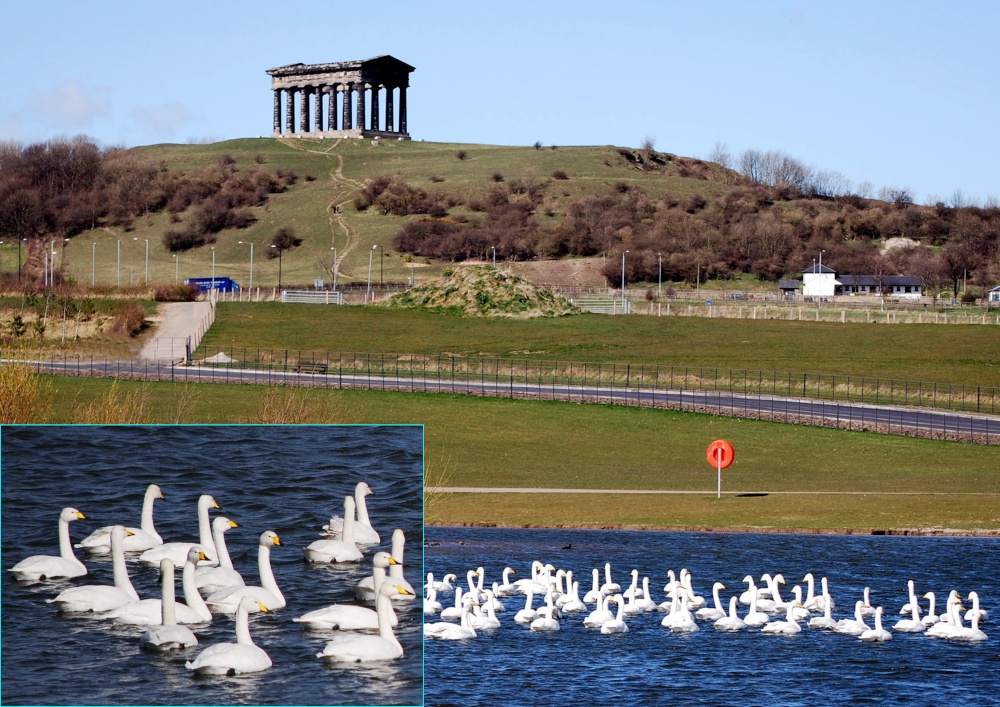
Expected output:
(959, 354)
(505, 443)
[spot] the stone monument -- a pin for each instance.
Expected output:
(345, 99)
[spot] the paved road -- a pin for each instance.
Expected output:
(508, 489)
(963, 425)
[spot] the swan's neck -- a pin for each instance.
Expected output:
(243, 626)
(65, 546)
(618, 614)
(597, 580)
(147, 513)
(348, 535)
(191, 595)
(470, 578)
(529, 598)
(219, 536)
(878, 620)
(607, 573)
(169, 615)
(267, 580)
(204, 528)
(930, 599)
(715, 597)
(122, 580)
(458, 598)
(383, 607)
(506, 577)
(361, 508)
(378, 576)
(732, 607)
(810, 590)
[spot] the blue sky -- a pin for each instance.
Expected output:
(900, 94)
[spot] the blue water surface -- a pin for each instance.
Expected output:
(651, 666)
(286, 479)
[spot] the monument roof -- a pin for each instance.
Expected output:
(385, 61)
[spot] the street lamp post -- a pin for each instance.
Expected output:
(19, 240)
(334, 249)
(494, 257)
(119, 265)
(659, 281)
(93, 265)
(369, 291)
(147, 261)
(624, 252)
(381, 267)
(176, 269)
(251, 262)
(213, 267)
(279, 265)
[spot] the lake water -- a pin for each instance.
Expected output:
(651, 666)
(286, 479)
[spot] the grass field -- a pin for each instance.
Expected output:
(953, 354)
(504, 443)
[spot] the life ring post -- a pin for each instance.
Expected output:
(720, 454)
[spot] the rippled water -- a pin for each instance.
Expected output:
(286, 479)
(650, 665)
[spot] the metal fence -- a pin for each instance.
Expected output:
(856, 403)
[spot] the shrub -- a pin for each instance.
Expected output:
(128, 320)
(559, 174)
(436, 178)
(538, 144)
(24, 397)
(176, 293)
(497, 177)
(462, 154)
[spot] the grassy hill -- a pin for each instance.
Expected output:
(331, 173)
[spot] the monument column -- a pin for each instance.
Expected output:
(304, 110)
(376, 113)
(347, 89)
(289, 111)
(277, 111)
(318, 122)
(361, 106)
(402, 109)
(390, 119)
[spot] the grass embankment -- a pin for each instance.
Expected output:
(504, 443)
(965, 354)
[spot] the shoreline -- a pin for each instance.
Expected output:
(921, 532)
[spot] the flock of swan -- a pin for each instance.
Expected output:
(478, 603)
(212, 585)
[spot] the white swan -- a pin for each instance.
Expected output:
(971, 634)
(489, 620)
(975, 610)
(810, 602)
(877, 634)
(598, 616)
(912, 624)
(617, 624)
(788, 627)
(142, 538)
(342, 549)
(732, 622)
(445, 631)
(39, 567)
(911, 598)
(594, 595)
(431, 604)
(507, 589)
(646, 602)
(351, 617)
(492, 601)
(754, 617)
(866, 606)
(716, 612)
(177, 551)
(633, 587)
(228, 600)
(148, 612)
(694, 601)
(101, 597)
(528, 613)
(684, 622)
(546, 623)
(825, 621)
(855, 626)
(454, 612)
(574, 605)
(609, 588)
(362, 648)
(950, 625)
(769, 598)
(800, 612)
(931, 617)
(234, 658)
(364, 533)
(168, 635)
(751, 590)
(365, 589)
(212, 579)
(445, 584)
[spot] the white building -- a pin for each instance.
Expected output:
(994, 295)
(819, 281)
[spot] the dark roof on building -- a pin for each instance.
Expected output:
(384, 61)
(870, 281)
(788, 285)
(818, 270)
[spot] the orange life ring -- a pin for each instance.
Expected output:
(720, 454)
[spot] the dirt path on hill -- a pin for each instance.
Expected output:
(344, 188)
(175, 322)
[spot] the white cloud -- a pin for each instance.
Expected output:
(163, 121)
(69, 107)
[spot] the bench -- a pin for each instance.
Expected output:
(310, 367)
